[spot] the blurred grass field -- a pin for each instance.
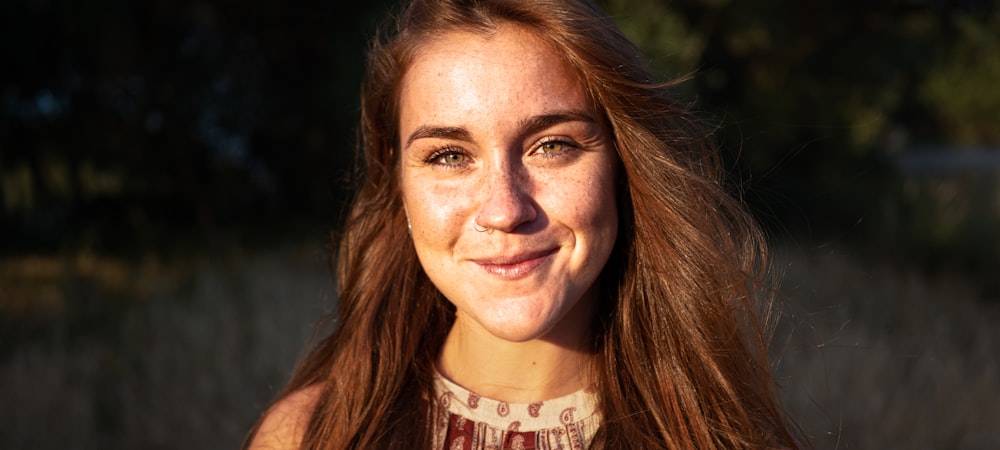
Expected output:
(105, 353)
(871, 356)
(99, 353)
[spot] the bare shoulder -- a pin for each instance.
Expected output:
(286, 421)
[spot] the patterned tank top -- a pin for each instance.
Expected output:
(467, 421)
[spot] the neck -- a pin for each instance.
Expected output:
(516, 372)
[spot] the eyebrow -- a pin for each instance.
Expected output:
(428, 131)
(527, 126)
(538, 123)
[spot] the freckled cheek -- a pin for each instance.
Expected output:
(438, 209)
(584, 202)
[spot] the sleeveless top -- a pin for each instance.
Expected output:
(467, 421)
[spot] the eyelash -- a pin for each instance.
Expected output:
(568, 146)
(436, 156)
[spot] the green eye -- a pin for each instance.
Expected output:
(550, 147)
(447, 157)
(451, 158)
(553, 147)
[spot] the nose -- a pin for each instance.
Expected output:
(506, 201)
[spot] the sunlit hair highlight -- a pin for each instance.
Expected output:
(681, 357)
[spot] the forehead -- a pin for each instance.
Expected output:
(465, 72)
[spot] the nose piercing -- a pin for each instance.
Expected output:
(487, 230)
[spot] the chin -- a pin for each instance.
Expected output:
(525, 327)
(518, 335)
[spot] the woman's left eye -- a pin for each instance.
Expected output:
(553, 147)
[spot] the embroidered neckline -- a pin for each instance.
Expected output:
(548, 414)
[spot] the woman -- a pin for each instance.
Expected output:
(541, 254)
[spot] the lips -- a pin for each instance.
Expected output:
(514, 266)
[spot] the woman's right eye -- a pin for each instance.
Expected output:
(448, 157)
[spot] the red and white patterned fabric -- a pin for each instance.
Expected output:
(467, 421)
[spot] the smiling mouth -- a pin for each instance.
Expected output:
(517, 266)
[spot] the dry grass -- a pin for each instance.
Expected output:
(103, 353)
(187, 364)
(875, 357)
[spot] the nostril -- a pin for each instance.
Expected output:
(505, 207)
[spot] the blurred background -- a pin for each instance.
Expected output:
(170, 172)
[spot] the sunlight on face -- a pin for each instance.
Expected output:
(497, 134)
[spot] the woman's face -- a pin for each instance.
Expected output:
(497, 134)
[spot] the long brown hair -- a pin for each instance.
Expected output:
(681, 357)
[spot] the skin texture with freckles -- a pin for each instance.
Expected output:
(496, 133)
